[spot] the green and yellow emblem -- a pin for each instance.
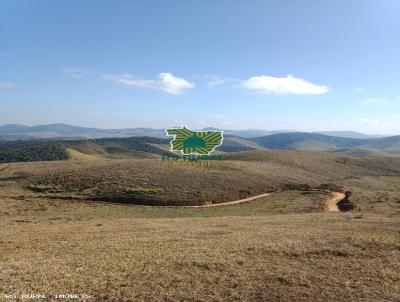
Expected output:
(194, 142)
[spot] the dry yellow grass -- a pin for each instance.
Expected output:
(282, 247)
(292, 257)
(76, 155)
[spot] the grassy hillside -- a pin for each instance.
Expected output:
(238, 144)
(152, 181)
(312, 141)
(281, 247)
(143, 144)
(48, 150)
(387, 146)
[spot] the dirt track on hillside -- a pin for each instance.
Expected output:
(229, 202)
(330, 204)
(332, 201)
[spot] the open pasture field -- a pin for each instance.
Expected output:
(63, 229)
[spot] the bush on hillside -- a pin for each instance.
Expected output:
(331, 187)
(296, 186)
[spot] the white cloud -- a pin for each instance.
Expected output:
(4, 85)
(283, 85)
(370, 101)
(76, 72)
(166, 82)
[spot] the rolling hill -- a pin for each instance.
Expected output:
(306, 141)
(386, 146)
(145, 146)
(44, 150)
(95, 175)
(238, 144)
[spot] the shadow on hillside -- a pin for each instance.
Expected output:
(141, 201)
(345, 204)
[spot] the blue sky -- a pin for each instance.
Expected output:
(303, 65)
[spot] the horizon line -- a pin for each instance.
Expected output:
(213, 127)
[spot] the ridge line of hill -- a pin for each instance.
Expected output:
(16, 131)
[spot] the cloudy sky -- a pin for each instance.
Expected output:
(283, 64)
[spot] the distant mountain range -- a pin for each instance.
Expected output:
(251, 133)
(22, 132)
(16, 132)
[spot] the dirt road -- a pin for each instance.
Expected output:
(229, 202)
(332, 200)
(330, 204)
(211, 205)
